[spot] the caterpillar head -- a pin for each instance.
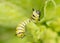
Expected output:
(36, 15)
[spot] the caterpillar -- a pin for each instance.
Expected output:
(20, 30)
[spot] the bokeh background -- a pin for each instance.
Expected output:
(47, 30)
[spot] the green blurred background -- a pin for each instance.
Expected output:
(12, 12)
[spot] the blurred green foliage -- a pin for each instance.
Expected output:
(12, 12)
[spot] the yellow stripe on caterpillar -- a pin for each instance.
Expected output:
(18, 28)
(19, 31)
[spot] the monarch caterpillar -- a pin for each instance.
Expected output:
(20, 30)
